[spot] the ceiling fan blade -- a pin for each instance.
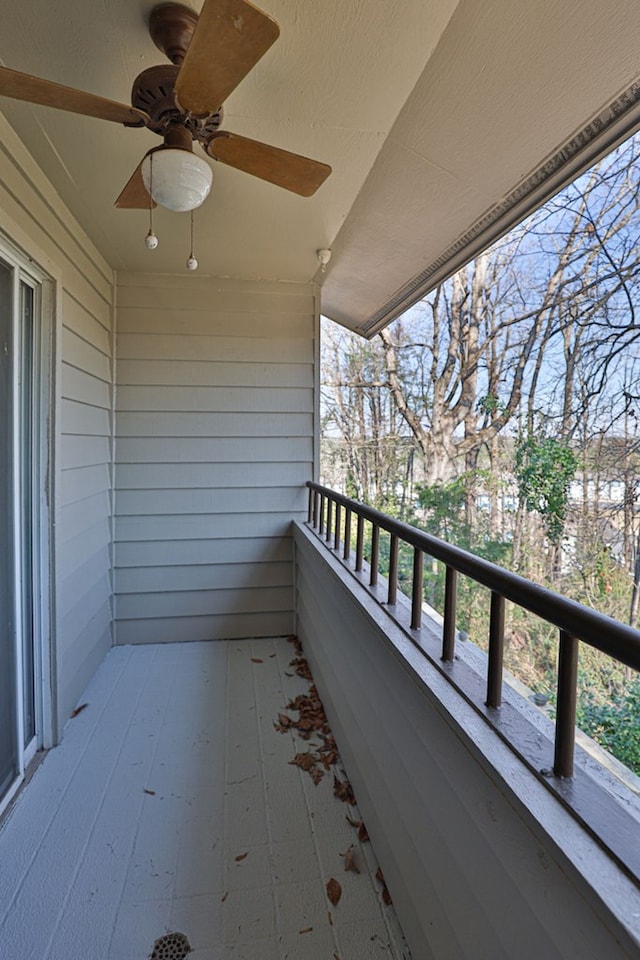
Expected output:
(289, 170)
(229, 39)
(22, 86)
(135, 195)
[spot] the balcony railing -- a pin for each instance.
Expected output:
(333, 515)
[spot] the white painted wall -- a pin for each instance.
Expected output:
(33, 217)
(215, 421)
(481, 861)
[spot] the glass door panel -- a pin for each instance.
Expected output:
(26, 400)
(8, 672)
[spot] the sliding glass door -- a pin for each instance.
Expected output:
(8, 661)
(22, 422)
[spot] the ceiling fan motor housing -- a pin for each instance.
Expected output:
(153, 92)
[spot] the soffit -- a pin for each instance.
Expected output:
(509, 83)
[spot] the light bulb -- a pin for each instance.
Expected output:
(151, 241)
(192, 263)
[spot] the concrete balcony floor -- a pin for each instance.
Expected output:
(170, 806)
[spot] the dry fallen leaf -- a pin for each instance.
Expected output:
(306, 930)
(303, 760)
(358, 825)
(386, 896)
(334, 891)
(151, 793)
(241, 856)
(222, 900)
(316, 775)
(343, 790)
(349, 860)
(74, 713)
(256, 660)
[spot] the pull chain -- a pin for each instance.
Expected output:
(192, 263)
(151, 241)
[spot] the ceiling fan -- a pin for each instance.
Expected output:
(182, 101)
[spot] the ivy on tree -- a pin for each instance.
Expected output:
(544, 471)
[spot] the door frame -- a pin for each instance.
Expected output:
(41, 487)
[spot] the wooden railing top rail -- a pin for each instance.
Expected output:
(616, 639)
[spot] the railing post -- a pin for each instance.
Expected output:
(566, 705)
(336, 539)
(449, 626)
(375, 553)
(416, 589)
(496, 651)
(393, 570)
(329, 519)
(359, 542)
(347, 533)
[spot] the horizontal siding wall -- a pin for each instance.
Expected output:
(480, 859)
(35, 219)
(214, 442)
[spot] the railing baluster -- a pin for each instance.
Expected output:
(329, 519)
(393, 570)
(566, 705)
(375, 553)
(336, 539)
(310, 508)
(347, 534)
(416, 589)
(316, 509)
(449, 626)
(359, 542)
(496, 651)
(321, 524)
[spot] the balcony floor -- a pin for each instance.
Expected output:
(171, 806)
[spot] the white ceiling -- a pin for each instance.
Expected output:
(429, 111)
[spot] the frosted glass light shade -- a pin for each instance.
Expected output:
(181, 181)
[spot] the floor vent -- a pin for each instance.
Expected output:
(173, 946)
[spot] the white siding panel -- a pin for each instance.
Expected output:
(35, 218)
(200, 603)
(218, 399)
(157, 553)
(184, 629)
(202, 577)
(223, 298)
(223, 450)
(223, 500)
(78, 418)
(83, 482)
(215, 425)
(203, 527)
(79, 451)
(76, 518)
(85, 325)
(85, 388)
(214, 374)
(197, 322)
(132, 346)
(171, 476)
(75, 552)
(85, 356)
